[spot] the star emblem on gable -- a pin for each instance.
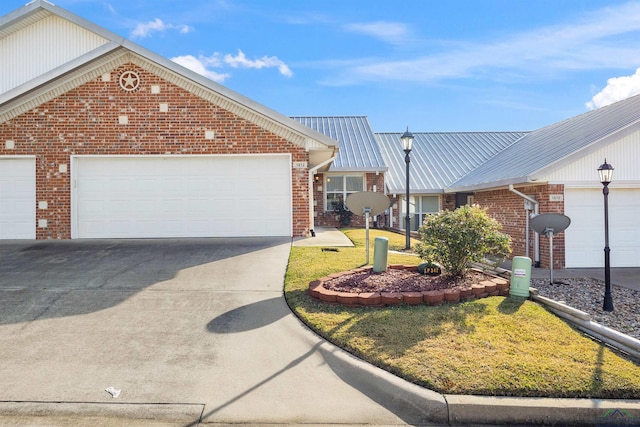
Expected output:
(129, 81)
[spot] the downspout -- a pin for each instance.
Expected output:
(536, 237)
(312, 172)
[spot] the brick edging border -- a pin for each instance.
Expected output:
(496, 286)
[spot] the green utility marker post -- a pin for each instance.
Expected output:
(380, 251)
(520, 276)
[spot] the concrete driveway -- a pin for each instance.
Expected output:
(190, 331)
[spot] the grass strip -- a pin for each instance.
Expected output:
(494, 346)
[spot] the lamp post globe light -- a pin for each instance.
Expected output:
(407, 145)
(606, 172)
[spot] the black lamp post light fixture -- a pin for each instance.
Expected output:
(606, 172)
(407, 145)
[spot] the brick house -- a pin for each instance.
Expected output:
(102, 138)
(557, 167)
(358, 166)
(517, 174)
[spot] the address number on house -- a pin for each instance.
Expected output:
(300, 165)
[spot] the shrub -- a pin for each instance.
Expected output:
(455, 238)
(344, 215)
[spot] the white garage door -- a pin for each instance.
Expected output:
(17, 198)
(190, 196)
(585, 236)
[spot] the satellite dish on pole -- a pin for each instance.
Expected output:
(550, 224)
(375, 202)
(366, 203)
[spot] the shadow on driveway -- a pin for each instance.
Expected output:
(249, 317)
(34, 275)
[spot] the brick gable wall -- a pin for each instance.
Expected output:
(86, 121)
(508, 209)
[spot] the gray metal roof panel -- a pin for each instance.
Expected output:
(439, 158)
(554, 146)
(359, 150)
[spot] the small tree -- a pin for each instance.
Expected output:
(455, 238)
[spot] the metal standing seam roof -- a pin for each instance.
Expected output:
(439, 158)
(545, 150)
(359, 151)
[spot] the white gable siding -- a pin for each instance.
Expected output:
(623, 155)
(41, 47)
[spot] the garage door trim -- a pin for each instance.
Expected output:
(77, 205)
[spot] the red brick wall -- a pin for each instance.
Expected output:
(85, 121)
(508, 209)
(329, 219)
(448, 202)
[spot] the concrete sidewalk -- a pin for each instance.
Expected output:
(326, 237)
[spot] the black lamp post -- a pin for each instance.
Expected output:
(606, 171)
(407, 145)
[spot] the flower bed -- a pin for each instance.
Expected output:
(414, 294)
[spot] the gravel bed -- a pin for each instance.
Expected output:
(587, 295)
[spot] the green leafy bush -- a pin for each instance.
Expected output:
(455, 238)
(344, 215)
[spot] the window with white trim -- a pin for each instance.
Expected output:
(338, 188)
(419, 207)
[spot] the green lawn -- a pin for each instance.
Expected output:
(492, 346)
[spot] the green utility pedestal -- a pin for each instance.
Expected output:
(380, 252)
(520, 276)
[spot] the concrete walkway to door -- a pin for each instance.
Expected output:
(189, 332)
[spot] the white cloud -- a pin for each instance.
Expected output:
(617, 89)
(204, 65)
(145, 29)
(605, 38)
(241, 61)
(391, 32)
(200, 65)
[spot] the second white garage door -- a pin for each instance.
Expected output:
(585, 236)
(175, 196)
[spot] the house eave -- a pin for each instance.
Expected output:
(365, 170)
(491, 185)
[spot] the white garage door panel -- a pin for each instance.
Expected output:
(17, 198)
(217, 196)
(585, 236)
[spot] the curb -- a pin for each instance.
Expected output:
(424, 406)
(101, 413)
(428, 406)
(583, 321)
(465, 410)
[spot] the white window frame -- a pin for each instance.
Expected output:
(417, 213)
(344, 192)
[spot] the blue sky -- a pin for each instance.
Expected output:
(474, 65)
